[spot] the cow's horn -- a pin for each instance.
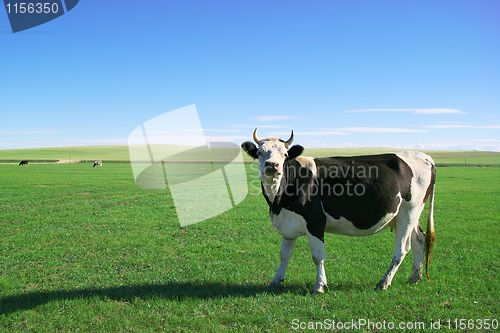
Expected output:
(255, 137)
(289, 141)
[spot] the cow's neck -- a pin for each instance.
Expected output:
(271, 186)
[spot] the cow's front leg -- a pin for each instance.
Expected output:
(317, 247)
(287, 246)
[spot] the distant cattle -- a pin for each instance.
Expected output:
(97, 163)
(24, 162)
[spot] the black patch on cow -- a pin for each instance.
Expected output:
(295, 152)
(250, 149)
(297, 194)
(363, 189)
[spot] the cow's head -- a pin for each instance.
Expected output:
(272, 154)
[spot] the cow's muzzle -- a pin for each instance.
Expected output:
(271, 167)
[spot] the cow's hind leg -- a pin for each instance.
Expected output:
(418, 249)
(287, 246)
(402, 245)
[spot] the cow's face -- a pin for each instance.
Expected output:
(272, 154)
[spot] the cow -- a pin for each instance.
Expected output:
(24, 162)
(354, 196)
(96, 163)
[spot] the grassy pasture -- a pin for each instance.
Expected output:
(121, 153)
(85, 248)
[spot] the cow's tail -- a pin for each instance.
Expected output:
(430, 235)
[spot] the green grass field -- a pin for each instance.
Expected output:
(85, 249)
(121, 153)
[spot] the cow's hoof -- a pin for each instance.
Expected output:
(318, 290)
(382, 285)
(275, 284)
(414, 279)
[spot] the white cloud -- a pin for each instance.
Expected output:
(448, 126)
(196, 130)
(485, 141)
(484, 145)
(463, 126)
(418, 111)
(262, 126)
(28, 132)
(313, 133)
(380, 130)
(237, 139)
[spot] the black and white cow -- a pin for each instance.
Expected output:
(354, 196)
(96, 163)
(24, 162)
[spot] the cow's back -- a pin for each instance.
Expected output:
(363, 190)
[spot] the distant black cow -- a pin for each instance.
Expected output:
(96, 163)
(24, 162)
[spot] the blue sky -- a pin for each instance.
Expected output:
(402, 74)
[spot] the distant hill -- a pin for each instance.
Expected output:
(441, 157)
(120, 153)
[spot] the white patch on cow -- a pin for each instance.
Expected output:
(308, 162)
(290, 225)
(271, 185)
(343, 226)
(420, 164)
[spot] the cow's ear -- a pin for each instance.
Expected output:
(295, 151)
(250, 149)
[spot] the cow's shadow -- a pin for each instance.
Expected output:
(173, 291)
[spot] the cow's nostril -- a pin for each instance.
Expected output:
(271, 165)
